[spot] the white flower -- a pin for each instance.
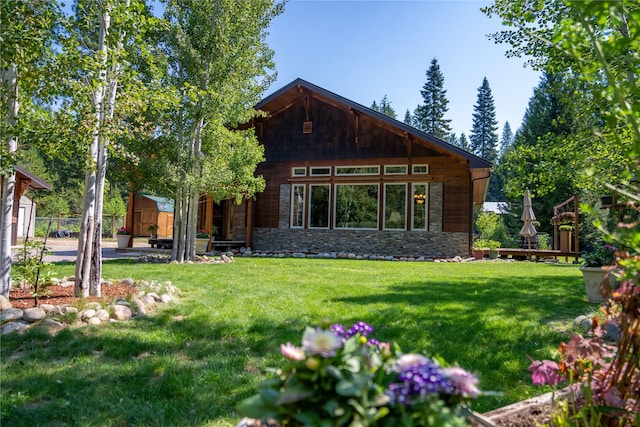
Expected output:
(463, 381)
(320, 341)
(292, 352)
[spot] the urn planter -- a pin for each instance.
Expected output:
(596, 284)
(123, 240)
(201, 246)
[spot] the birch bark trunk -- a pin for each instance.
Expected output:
(8, 188)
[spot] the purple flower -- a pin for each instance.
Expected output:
(338, 329)
(418, 380)
(544, 372)
(361, 328)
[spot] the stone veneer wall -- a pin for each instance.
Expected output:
(433, 243)
(394, 243)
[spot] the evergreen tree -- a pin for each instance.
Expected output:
(484, 139)
(407, 118)
(452, 139)
(429, 117)
(464, 143)
(507, 138)
(384, 108)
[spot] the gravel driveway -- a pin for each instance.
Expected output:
(67, 250)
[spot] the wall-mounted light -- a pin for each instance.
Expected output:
(419, 198)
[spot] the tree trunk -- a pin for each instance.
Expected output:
(89, 241)
(8, 188)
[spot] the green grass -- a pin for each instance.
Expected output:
(191, 362)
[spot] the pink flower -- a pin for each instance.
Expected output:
(406, 361)
(292, 352)
(544, 372)
(463, 381)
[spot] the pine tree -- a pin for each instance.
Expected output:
(429, 117)
(407, 118)
(507, 138)
(484, 139)
(463, 142)
(384, 107)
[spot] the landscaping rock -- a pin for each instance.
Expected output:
(11, 314)
(17, 326)
(4, 303)
(34, 314)
(122, 312)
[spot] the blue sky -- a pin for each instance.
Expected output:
(365, 49)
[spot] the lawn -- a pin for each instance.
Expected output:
(191, 362)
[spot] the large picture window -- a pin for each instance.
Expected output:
(356, 206)
(319, 202)
(395, 206)
(420, 206)
(297, 206)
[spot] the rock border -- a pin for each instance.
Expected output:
(57, 317)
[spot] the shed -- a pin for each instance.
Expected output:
(24, 180)
(148, 210)
(341, 177)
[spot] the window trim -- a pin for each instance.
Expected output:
(335, 206)
(312, 170)
(304, 205)
(413, 169)
(426, 207)
(303, 168)
(337, 170)
(406, 169)
(329, 202)
(384, 206)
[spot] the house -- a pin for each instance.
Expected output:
(341, 177)
(24, 180)
(151, 210)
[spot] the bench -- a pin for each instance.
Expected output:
(227, 244)
(161, 243)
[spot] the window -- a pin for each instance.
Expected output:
(297, 206)
(395, 170)
(320, 171)
(357, 170)
(395, 206)
(420, 206)
(356, 206)
(420, 169)
(299, 171)
(319, 206)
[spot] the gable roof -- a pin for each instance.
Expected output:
(291, 93)
(35, 183)
(164, 204)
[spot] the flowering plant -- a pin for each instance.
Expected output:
(202, 234)
(604, 376)
(563, 218)
(343, 377)
(123, 230)
(599, 256)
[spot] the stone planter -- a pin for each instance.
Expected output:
(596, 284)
(478, 253)
(493, 254)
(201, 246)
(123, 240)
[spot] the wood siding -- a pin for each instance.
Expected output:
(341, 136)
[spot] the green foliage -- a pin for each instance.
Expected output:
(345, 377)
(385, 108)
(29, 268)
(491, 227)
(486, 244)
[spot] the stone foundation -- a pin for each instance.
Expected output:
(387, 243)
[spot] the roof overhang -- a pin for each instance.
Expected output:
(297, 90)
(35, 183)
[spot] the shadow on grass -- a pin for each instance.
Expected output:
(190, 363)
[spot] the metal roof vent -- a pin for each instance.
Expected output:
(306, 127)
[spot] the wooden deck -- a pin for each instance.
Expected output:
(538, 254)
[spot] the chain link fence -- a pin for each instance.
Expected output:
(68, 225)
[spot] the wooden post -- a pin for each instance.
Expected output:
(208, 220)
(131, 206)
(249, 221)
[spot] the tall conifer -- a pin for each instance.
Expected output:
(429, 117)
